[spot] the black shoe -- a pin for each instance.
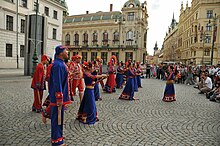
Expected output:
(196, 87)
(200, 92)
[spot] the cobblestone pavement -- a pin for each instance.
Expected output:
(190, 121)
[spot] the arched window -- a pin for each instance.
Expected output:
(116, 36)
(129, 35)
(67, 40)
(207, 52)
(76, 39)
(129, 38)
(105, 38)
(95, 38)
(85, 38)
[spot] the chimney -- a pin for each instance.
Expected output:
(87, 12)
(111, 7)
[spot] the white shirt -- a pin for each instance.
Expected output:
(208, 82)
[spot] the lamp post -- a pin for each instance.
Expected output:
(35, 55)
(213, 37)
(119, 20)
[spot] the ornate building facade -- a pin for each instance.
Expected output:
(13, 29)
(197, 32)
(121, 33)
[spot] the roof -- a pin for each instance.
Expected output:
(135, 2)
(93, 17)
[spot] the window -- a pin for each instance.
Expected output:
(194, 53)
(24, 3)
(104, 56)
(54, 33)
(207, 52)
(67, 40)
(76, 39)
(128, 55)
(46, 11)
(22, 25)
(129, 38)
(93, 56)
(8, 50)
(209, 14)
(75, 53)
(131, 16)
(116, 37)
(85, 39)
(84, 56)
(105, 38)
(21, 50)
(208, 39)
(9, 23)
(95, 38)
(129, 35)
(55, 14)
(208, 27)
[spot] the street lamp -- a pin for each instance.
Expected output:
(120, 21)
(35, 55)
(213, 37)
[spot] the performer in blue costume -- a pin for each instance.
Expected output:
(120, 76)
(128, 92)
(135, 78)
(87, 113)
(96, 86)
(139, 72)
(169, 93)
(59, 96)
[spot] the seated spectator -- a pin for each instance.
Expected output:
(216, 94)
(205, 86)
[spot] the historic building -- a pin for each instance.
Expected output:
(170, 42)
(13, 29)
(121, 33)
(196, 34)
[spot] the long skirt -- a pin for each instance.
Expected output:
(110, 85)
(56, 130)
(128, 92)
(139, 81)
(169, 93)
(135, 84)
(119, 80)
(96, 92)
(87, 113)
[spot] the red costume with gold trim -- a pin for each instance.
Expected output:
(76, 76)
(38, 84)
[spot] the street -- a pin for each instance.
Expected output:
(190, 121)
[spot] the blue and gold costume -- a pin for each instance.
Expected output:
(87, 113)
(169, 93)
(128, 92)
(58, 93)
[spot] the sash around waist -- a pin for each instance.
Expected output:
(170, 82)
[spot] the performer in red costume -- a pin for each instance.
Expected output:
(76, 76)
(38, 84)
(110, 85)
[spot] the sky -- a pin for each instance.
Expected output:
(160, 14)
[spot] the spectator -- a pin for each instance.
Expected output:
(206, 86)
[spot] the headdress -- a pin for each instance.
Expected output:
(113, 60)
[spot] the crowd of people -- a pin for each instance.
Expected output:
(64, 77)
(203, 77)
